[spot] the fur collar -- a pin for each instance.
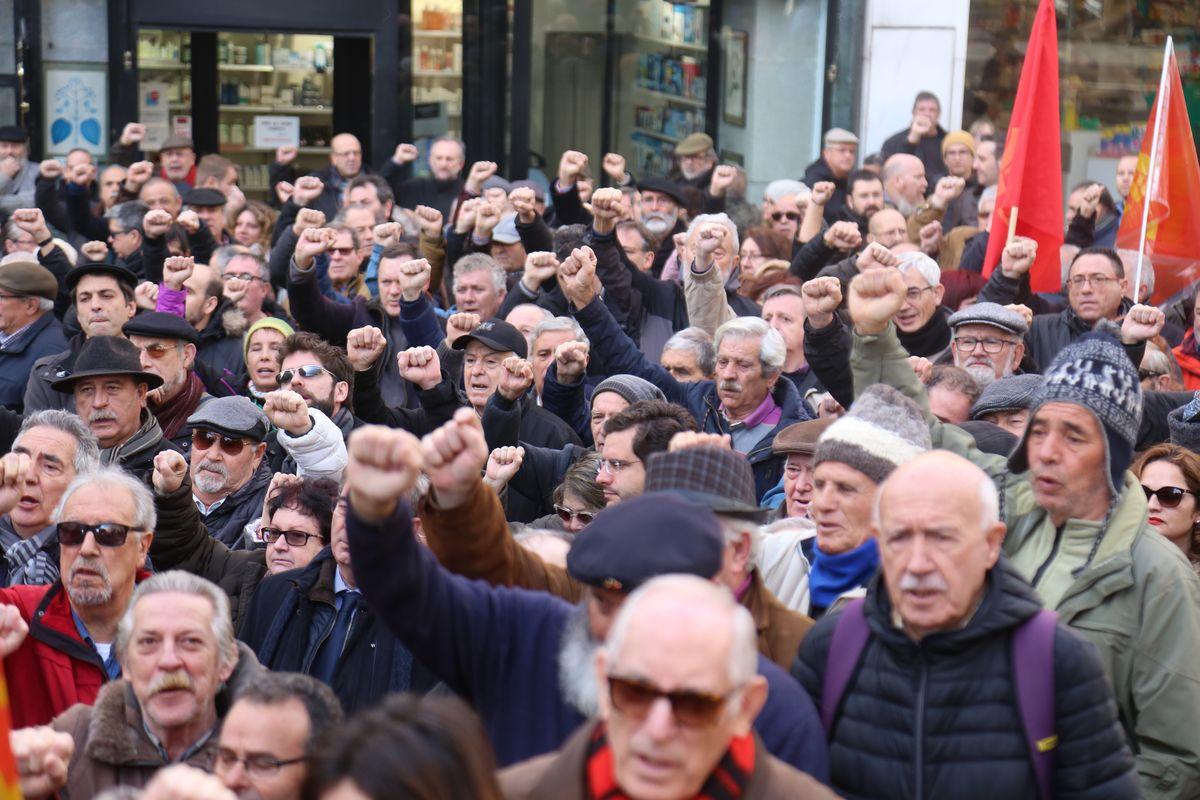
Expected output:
(233, 322)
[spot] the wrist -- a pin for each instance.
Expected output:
(820, 320)
(532, 287)
(429, 383)
(299, 429)
(870, 327)
(370, 509)
(913, 138)
(43, 237)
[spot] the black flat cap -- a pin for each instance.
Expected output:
(663, 186)
(107, 355)
(161, 325)
(28, 279)
(639, 539)
(718, 478)
(13, 133)
(236, 417)
(204, 198)
(122, 274)
(496, 334)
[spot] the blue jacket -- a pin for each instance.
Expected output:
(43, 338)
(497, 647)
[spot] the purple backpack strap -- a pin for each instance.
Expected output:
(850, 636)
(1033, 671)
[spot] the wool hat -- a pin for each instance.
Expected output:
(274, 323)
(630, 387)
(800, 437)
(714, 476)
(107, 355)
(650, 535)
(1006, 394)
(881, 431)
(28, 279)
(958, 137)
(236, 417)
(1094, 373)
(992, 314)
(1184, 423)
(161, 325)
(694, 144)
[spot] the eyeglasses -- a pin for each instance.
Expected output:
(242, 276)
(108, 534)
(1099, 281)
(914, 294)
(157, 351)
(259, 765)
(293, 538)
(614, 465)
(306, 371)
(1168, 496)
(969, 343)
(342, 251)
(779, 215)
(202, 440)
(568, 515)
(691, 709)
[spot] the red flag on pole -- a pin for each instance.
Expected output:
(1165, 229)
(10, 783)
(1030, 187)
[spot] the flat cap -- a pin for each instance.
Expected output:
(714, 476)
(13, 133)
(161, 325)
(800, 437)
(177, 142)
(28, 279)
(992, 314)
(639, 539)
(694, 144)
(122, 274)
(205, 198)
(1006, 394)
(236, 417)
(497, 182)
(505, 231)
(839, 136)
(663, 186)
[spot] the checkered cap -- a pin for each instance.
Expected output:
(720, 479)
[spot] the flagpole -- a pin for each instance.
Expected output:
(1153, 170)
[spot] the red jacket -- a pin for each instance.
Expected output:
(54, 668)
(1189, 365)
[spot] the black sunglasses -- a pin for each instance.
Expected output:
(306, 371)
(691, 709)
(108, 534)
(1168, 496)
(202, 440)
(293, 538)
(779, 215)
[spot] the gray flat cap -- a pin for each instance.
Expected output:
(992, 314)
(235, 417)
(1007, 394)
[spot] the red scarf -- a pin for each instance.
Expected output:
(727, 782)
(173, 414)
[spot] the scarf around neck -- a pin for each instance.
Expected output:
(172, 415)
(930, 339)
(832, 576)
(29, 560)
(727, 782)
(145, 438)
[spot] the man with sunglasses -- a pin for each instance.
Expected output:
(168, 349)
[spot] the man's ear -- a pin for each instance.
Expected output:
(189, 355)
(341, 390)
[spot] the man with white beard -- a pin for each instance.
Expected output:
(988, 341)
(661, 208)
(229, 474)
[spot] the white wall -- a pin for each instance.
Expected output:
(909, 47)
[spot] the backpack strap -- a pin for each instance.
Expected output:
(1033, 672)
(850, 636)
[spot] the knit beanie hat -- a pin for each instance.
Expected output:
(1095, 373)
(958, 137)
(630, 387)
(274, 323)
(1006, 394)
(882, 430)
(1184, 423)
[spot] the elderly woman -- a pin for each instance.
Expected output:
(1170, 477)
(252, 225)
(260, 348)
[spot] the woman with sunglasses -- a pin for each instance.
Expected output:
(1170, 477)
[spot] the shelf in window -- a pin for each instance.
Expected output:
(695, 48)
(168, 65)
(245, 68)
(674, 98)
(235, 149)
(657, 135)
(424, 34)
(436, 73)
(253, 109)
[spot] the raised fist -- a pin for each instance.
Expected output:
(235, 289)
(13, 629)
(487, 217)
(308, 218)
(614, 167)
(146, 295)
(42, 755)
(931, 238)
(308, 189)
(312, 243)
(502, 465)
(454, 456)
(133, 133)
(32, 222)
(414, 278)
(183, 782)
(685, 439)
(1025, 311)
(420, 366)
(1018, 256)
(921, 127)
(460, 324)
(82, 174)
(843, 235)
(480, 172)
(516, 376)
(606, 209)
(821, 298)
(176, 271)
(156, 223)
(523, 199)
(431, 222)
(722, 178)
(923, 367)
(876, 256)
(284, 191)
(137, 174)
(286, 154)
(570, 166)
(875, 297)
(288, 411)
(466, 214)
(386, 234)
(1091, 200)
(1141, 323)
(14, 469)
(50, 169)
(94, 250)
(279, 482)
(570, 362)
(405, 154)
(170, 468)
(364, 346)
(822, 192)
(947, 191)
(190, 221)
(539, 268)
(710, 236)
(577, 277)
(382, 465)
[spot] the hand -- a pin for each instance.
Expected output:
(710, 236)
(829, 408)
(235, 201)
(539, 268)
(683, 253)
(279, 481)
(405, 153)
(235, 290)
(921, 127)
(137, 174)
(94, 251)
(50, 169)
(170, 468)
(431, 222)
(480, 172)
(922, 366)
(414, 279)
(133, 133)
(82, 174)
(13, 629)
(570, 362)
(614, 167)
(466, 214)
(284, 191)
(516, 376)
(312, 243)
(685, 439)
(32, 222)
(577, 277)
(606, 210)
(387, 234)
(570, 166)
(420, 366)
(288, 411)
(460, 324)
(502, 465)
(382, 465)
(183, 782)
(722, 178)
(308, 218)
(14, 469)
(455, 455)
(843, 235)
(1142, 323)
(364, 346)
(947, 191)
(875, 297)
(10, 166)
(487, 217)
(876, 256)
(42, 755)
(523, 199)
(190, 221)
(286, 154)
(156, 223)
(146, 295)
(822, 193)
(931, 238)
(1018, 256)
(308, 189)
(1091, 201)
(1023, 310)
(176, 271)
(821, 298)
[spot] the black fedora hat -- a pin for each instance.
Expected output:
(107, 355)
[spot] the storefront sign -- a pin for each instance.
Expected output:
(77, 106)
(181, 125)
(155, 113)
(276, 132)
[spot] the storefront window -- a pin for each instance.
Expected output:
(165, 83)
(437, 73)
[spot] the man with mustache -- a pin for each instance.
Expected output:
(661, 209)
(167, 345)
(986, 340)
(944, 580)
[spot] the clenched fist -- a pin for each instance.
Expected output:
(133, 133)
(50, 169)
(308, 218)
(42, 755)
(607, 208)
(13, 629)
(843, 235)
(539, 268)
(312, 243)
(420, 366)
(875, 297)
(722, 178)
(821, 298)
(614, 167)
(288, 411)
(454, 456)
(577, 277)
(414, 279)
(947, 191)
(822, 192)
(32, 222)
(876, 256)
(1141, 323)
(308, 189)
(516, 376)
(405, 153)
(382, 465)
(570, 362)
(286, 154)
(14, 469)
(387, 234)
(465, 220)
(94, 251)
(1018, 256)
(137, 174)
(431, 222)
(177, 270)
(570, 166)
(156, 223)
(170, 468)
(523, 200)
(364, 346)
(460, 324)
(190, 221)
(502, 465)
(480, 172)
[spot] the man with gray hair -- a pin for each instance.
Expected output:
(689, 356)
(987, 340)
(544, 342)
(479, 285)
(838, 156)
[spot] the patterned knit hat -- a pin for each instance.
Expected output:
(1184, 423)
(882, 430)
(1095, 373)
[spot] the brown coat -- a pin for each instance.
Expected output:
(474, 541)
(557, 776)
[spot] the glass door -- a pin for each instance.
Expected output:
(437, 69)
(164, 59)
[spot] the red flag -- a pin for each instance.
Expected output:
(1169, 174)
(10, 783)
(1031, 170)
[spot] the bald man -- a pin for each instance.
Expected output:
(904, 182)
(345, 164)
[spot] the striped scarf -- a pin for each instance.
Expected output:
(727, 782)
(27, 560)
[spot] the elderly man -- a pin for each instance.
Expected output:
(111, 390)
(18, 175)
(441, 188)
(942, 576)
(544, 341)
(904, 182)
(798, 443)
(710, 286)
(661, 209)
(1006, 402)
(177, 158)
(248, 283)
(125, 234)
(229, 474)
(986, 339)
(29, 331)
(689, 356)
(838, 156)
(51, 448)
(479, 285)
(1077, 531)
(345, 164)
(105, 522)
(783, 310)
(168, 349)
(922, 139)
(536, 688)
(675, 636)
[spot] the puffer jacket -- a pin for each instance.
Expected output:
(939, 718)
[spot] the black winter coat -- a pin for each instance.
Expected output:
(939, 718)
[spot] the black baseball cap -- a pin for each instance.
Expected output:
(496, 334)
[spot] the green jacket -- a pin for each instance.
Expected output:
(1138, 601)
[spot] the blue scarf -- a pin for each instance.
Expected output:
(832, 575)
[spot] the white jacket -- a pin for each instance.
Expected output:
(320, 453)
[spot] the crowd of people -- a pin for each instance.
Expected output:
(427, 483)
